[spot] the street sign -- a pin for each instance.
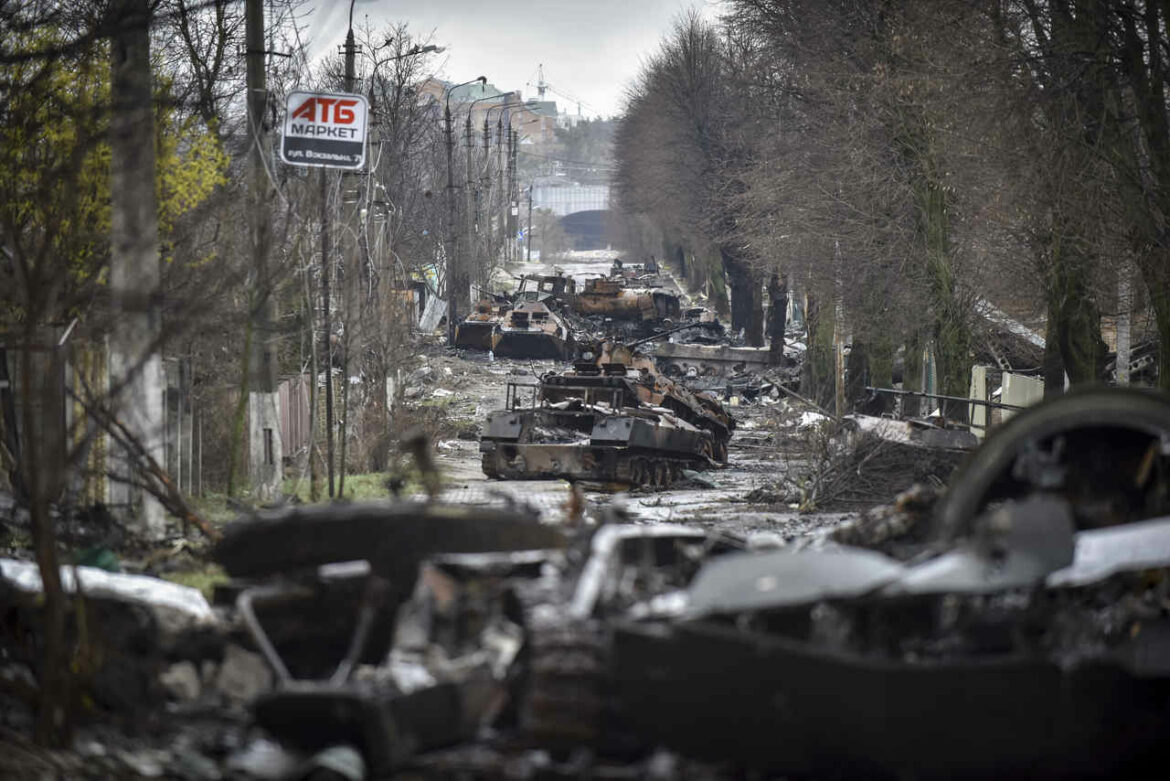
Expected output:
(324, 130)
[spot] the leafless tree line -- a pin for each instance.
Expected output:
(902, 163)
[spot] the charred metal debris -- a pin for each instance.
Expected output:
(612, 418)
(1012, 625)
(1016, 623)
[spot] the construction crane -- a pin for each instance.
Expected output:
(542, 86)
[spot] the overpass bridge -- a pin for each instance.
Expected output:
(583, 209)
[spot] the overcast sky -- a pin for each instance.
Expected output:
(591, 49)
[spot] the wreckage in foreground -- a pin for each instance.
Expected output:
(1027, 633)
(614, 419)
(1024, 630)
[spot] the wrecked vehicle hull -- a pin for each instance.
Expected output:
(609, 422)
(712, 360)
(608, 448)
(705, 689)
(536, 345)
(532, 330)
(611, 297)
(476, 334)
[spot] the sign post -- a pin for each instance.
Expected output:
(324, 130)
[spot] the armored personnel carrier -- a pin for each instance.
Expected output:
(610, 419)
(477, 330)
(532, 330)
(524, 324)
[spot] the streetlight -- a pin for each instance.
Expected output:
(452, 236)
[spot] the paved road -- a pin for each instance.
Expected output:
(477, 386)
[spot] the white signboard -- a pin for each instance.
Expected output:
(324, 130)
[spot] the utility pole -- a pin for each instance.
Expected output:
(327, 328)
(500, 184)
(135, 273)
(469, 267)
(265, 451)
(485, 186)
(513, 200)
(348, 268)
(529, 234)
(452, 240)
(452, 234)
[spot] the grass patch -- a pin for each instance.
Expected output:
(213, 508)
(206, 578)
(358, 488)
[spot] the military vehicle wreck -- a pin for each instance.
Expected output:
(478, 328)
(1011, 630)
(533, 330)
(509, 641)
(1018, 626)
(526, 324)
(610, 419)
(622, 299)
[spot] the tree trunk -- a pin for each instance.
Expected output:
(1156, 274)
(53, 678)
(777, 318)
(819, 374)
(1053, 364)
(1074, 321)
(747, 298)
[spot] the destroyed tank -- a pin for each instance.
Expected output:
(611, 419)
(624, 299)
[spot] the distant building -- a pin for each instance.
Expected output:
(536, 122)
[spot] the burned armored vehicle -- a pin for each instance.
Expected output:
(495, 651)
(477, 330)
(622, 299)
(610, 419)
(533, 330)
(525, 324)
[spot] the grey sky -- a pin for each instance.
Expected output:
(591, 49)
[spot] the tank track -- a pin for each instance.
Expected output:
(636, 469)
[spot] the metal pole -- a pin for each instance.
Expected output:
(921, 395)
(350, 275)
(470, 267)
(326, 341)
(529, 236)
(452, 313)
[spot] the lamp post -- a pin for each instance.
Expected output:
(471, 243)
(452, 236)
